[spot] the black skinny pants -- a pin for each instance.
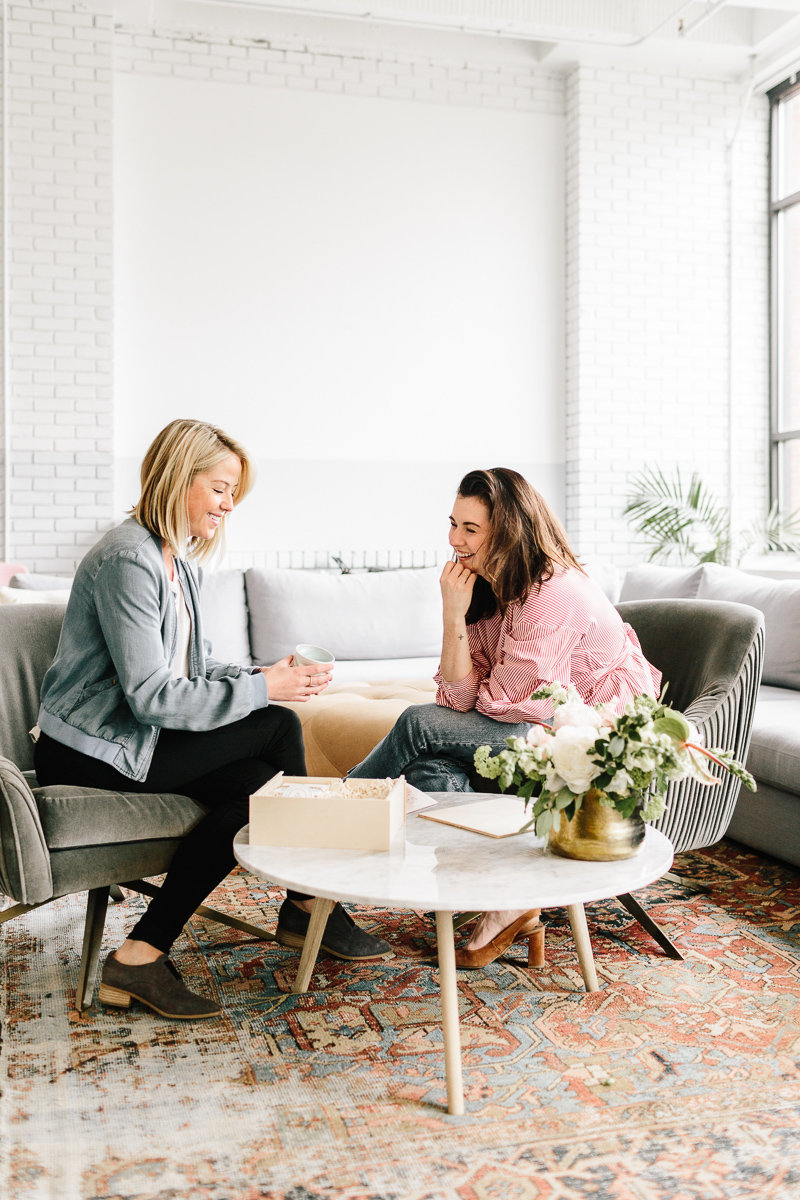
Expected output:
(220, 768)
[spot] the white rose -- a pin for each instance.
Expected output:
(569, 754)
(575, 712)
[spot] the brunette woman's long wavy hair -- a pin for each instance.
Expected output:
(526, 540)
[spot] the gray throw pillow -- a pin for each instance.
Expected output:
(779, 601)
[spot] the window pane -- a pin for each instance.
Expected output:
(789, 474)
(788, 148)
(788, 319)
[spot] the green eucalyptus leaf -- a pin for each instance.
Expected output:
(544, 823)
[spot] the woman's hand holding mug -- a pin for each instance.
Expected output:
(301, 675)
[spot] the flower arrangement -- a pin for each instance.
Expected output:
(627, 759)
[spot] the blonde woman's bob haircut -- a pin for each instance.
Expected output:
(181, 451)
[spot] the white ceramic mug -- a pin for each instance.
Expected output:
(306, 655)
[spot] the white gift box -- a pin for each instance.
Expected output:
(336, 814)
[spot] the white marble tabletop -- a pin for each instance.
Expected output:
(447, 869)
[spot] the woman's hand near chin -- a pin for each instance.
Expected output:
(456, 583)
(285, 682)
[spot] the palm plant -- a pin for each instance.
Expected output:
(685, 523)
(775, 532)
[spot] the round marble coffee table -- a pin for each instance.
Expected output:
(449, 870)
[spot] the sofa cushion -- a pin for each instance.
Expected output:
(779, 601)
(650, 582)
(774, 756)
(383, 614)
(223, 605)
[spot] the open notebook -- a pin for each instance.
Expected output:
(501, 816)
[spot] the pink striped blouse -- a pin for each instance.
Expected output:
(567, 631)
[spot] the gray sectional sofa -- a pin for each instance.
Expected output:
(384, 628)
(769, 818)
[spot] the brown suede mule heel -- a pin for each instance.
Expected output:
(527, 926)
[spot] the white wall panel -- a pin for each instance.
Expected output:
(338, 279)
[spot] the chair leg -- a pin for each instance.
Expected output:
(463, 918)
(96, 905)
(691, 885)
(635, 909)
(16, 910)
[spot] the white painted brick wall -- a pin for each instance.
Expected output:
(59, 264)
(647, 345)
(317, 66)
(647, 258)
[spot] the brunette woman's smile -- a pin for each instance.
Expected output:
(469, 530)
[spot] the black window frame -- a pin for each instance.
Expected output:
(778, 205)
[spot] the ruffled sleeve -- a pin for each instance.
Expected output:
(529, 656)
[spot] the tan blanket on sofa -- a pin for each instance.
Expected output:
(341, 726)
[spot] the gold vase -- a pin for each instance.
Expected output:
(597, 833)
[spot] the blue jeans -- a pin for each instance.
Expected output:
(434, 748)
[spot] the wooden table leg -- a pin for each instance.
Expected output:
(448, 990)
(320, 912)
(580, 932)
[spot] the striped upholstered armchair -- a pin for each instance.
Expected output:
(710, 654)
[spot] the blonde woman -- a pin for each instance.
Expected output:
(134, 702)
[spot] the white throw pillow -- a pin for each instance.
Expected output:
(381, 614)
(224, 610)
(605, 576)
(9, 595)
(33, 581)
(650, 582)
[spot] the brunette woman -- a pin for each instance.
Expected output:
(519, 611)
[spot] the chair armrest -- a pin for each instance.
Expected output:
(25, 873)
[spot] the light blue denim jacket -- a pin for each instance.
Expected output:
(110, 688)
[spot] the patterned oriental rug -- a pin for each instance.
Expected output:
(676, 1081)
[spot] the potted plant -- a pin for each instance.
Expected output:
(685, 523)
(596, 776)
